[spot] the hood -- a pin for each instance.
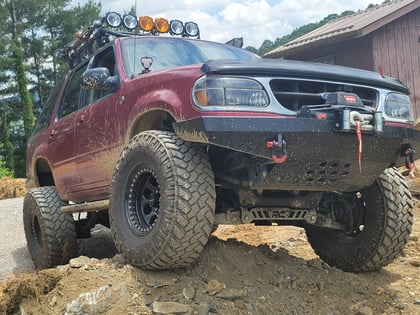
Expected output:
(302, 69)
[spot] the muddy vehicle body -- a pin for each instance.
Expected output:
(162, 139)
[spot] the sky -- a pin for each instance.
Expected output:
(254, 20)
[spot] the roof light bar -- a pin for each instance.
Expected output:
(153, 26)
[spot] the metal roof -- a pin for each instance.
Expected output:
(356, 25)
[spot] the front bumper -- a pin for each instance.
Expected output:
(318, 156)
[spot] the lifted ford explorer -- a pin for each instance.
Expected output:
(163, 138)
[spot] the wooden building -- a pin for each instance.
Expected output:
(384, 38)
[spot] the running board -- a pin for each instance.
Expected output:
(86, 207)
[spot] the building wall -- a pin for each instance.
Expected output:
(355, 53)
(396, 48)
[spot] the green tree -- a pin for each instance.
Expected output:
(32, 33)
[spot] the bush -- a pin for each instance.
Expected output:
(4, 171)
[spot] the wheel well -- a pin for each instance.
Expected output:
(43, 174)
(154, 120)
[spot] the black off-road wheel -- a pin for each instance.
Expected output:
(50, 234)
(162, 201)
(385, 221)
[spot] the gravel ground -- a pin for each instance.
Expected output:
(14, 256)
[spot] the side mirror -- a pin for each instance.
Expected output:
(99, 79)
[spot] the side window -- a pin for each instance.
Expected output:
(70, 101)
(46, 112)
(105, 59)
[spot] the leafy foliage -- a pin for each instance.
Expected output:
(4, 171)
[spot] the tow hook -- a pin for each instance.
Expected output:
(278, 149)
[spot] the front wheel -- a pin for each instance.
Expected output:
(162, 201)
(385, 220)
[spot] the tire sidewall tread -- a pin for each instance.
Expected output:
(186, 205)
(389, 223)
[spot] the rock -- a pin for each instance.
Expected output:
(417, 302)
(364, 310)
(400, 306)
(214, 287)
(189, 293)
(414, 262)
(79, 262)
(94, 302)
(231, 294)
(315, 263)
(53, 301)
(170, 308)
(203, 309)
(414, 238)
(212, 307)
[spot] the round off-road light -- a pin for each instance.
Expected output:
(113, 19)
(146, 23)
(191, 29)
(130, 21)
(161, 25)
(176, 27)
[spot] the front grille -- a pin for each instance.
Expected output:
(295, 93)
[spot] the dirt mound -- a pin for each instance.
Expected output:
(12, 187)
(242, 270)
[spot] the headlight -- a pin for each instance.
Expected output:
(398, 106)
(236, 92)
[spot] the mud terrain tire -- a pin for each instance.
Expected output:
(387, 225)
(162, 201)
(50, 234)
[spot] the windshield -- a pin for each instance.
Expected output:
(167, 52)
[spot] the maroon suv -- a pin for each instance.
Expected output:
(164, 138)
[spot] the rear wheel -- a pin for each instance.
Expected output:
(162, 201)
(50, 234)
(381, 228)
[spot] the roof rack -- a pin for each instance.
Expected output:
(101, 33)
